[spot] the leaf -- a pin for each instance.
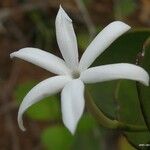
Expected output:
(144, 92)
(123, 144)
(46, 109)
(128, 102)
(138, 138)
(103, 95)
(86, 124)
(56, 138)
(130, 112)
(124, 49)
(83, 39)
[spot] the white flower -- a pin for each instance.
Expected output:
(72, 73)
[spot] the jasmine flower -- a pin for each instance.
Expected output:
(72, 74)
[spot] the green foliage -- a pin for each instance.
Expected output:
(86, 124)
(144, 96)
(128, 102)
(130, 112)
(103, 94)
(87, 2)
(123, 8)
(56, 138)
(44, 33)
(88, 135)
(83, 40)
(46, 109)
(124, 49)
(88, 141)
(123, 144)
(119, 99)
(145, 91)
(137, 138)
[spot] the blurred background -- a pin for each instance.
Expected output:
(31, 23)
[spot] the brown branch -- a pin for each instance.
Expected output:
(6, 96)
(6, 13)
(8, 88)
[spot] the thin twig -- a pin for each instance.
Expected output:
(116, 100)
(89, 23)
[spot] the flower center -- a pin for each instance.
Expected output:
(75, 74)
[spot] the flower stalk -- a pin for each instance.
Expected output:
(107, 122)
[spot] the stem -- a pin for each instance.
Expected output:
(107, 122)
(89, 23)
(139, 62)
(141, 103)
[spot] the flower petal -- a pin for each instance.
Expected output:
(102, 41)
(115, 71)
(72, 103)
(43, 89)
(42, 59)
(66, 38)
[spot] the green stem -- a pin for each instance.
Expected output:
(138, 87)
(107, 122)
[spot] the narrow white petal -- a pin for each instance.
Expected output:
(72, 104)
(101, 42)
(43, 89)
(42, 59)
(114, 72)
(66, 38)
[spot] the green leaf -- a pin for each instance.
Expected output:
(57, 138)
(46, 109)
(124, 8)
(88, 135)
(124, 49)
(123, 144)
(130, 112)
(138, 138)
(127, 100)
(144, 92)
(83, 40)
(103, 95)
(86, 124)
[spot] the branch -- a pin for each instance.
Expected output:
(5, 13)
(8, 89)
